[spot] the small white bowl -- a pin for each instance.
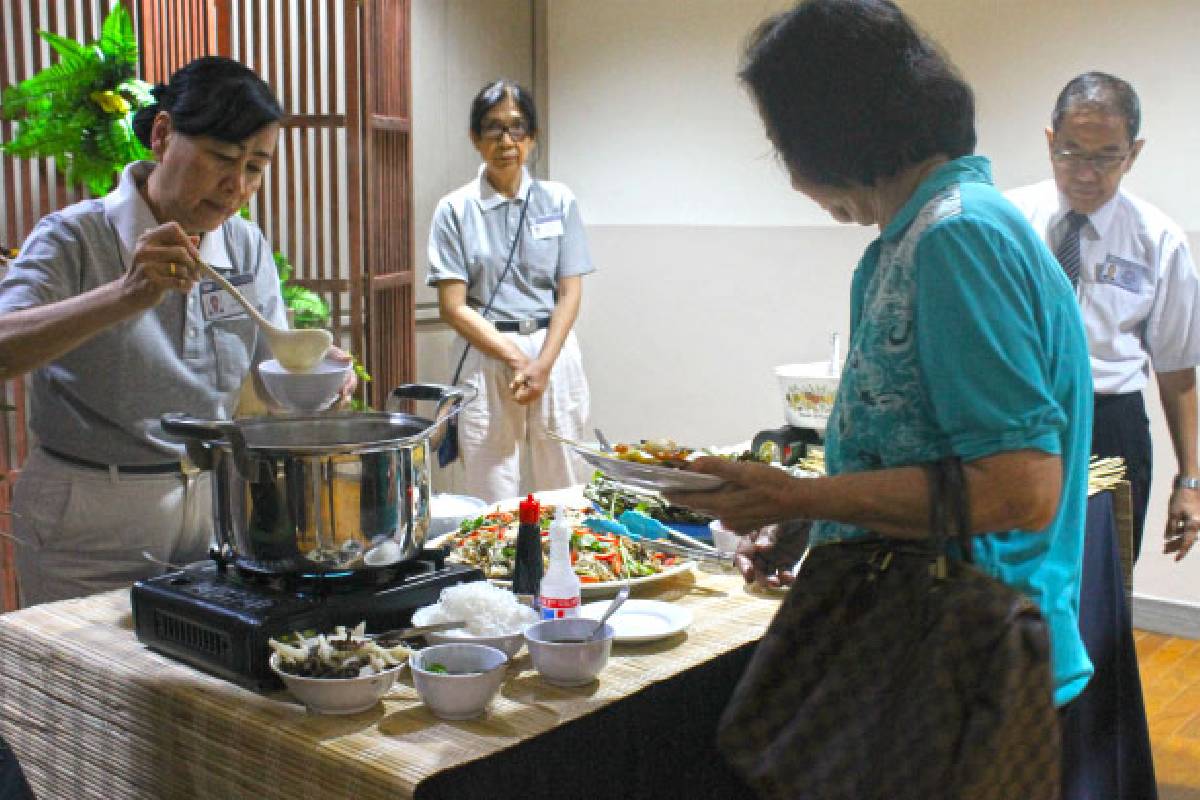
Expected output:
(510, 643)
(565, 663)
(447, 512)
(304, 391)
(337, 695)
(723, 539)
(451, 696)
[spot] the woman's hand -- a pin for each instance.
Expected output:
(754, 495)
(1183, 523)
(164, 260)
(529, 382)
(768, 556)
(346, 393)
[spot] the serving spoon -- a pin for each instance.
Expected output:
(295, 350)
(617, 602)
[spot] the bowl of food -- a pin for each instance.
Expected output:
(305, 392)
(808, 391)
(563, 655)
(342, 673)
(457, 681)
(493, 617)
(448, 511)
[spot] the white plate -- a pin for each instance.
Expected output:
(642, 620)
(650, 476)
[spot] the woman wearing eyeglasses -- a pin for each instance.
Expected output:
(507, 255)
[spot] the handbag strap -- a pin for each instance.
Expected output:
(507, 268)
(949, 508)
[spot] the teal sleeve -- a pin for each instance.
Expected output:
(982, 341)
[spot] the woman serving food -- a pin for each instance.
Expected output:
(105, 307)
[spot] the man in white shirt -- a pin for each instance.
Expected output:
(1137, 290)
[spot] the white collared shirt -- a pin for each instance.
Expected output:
(1138, 290)
(102, 400)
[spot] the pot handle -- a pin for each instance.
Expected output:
(186, 427)
(450, 399)
(203, 430)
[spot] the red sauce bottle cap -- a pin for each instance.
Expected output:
(529, 512)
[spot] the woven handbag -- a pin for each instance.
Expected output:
(893, 672)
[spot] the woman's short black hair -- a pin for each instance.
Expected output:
(1105, 92)
(212, 96)
(850, 92)
(493, 94)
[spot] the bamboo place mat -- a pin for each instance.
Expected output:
(91, 713)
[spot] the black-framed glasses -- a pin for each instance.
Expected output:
(495, 130)
(1103, 162)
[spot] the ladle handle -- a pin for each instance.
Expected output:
(229, 287)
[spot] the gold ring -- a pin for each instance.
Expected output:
(172, 269)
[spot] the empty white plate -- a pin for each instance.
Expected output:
(642, 620)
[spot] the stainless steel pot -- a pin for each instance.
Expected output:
(322, 493)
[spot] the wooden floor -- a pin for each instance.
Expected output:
(1170, 670)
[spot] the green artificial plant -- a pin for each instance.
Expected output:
(79, 111)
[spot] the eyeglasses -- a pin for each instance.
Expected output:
(495, 130)
(1103, 163)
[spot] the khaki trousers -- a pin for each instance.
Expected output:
(83, 530)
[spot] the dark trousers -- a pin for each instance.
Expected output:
(1120, 428)
(12, 780)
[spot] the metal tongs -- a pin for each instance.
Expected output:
(399, 634)
(704, 555)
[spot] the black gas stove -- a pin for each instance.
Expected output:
(219, 616)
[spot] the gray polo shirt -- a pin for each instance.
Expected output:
(102, 401)
(473, 230)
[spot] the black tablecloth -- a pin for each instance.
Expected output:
(656, 744)
(1110, 757)
(12, 780)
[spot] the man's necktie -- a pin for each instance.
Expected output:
(1067, 251)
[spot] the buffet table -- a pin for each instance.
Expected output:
(91, 713)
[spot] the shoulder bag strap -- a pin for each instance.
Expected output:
(507, 268)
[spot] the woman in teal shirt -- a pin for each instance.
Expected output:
(965, 336)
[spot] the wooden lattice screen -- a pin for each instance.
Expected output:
(337, 198)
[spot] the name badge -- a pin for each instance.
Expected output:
(546, 227)
(1116, 271)
(217, 303)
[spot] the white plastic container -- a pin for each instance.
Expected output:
(559, 594)
(808, 391)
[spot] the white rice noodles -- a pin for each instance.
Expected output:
(487, 609)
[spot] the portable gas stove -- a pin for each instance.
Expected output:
(218, 617)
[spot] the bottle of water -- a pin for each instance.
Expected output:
(560, 585)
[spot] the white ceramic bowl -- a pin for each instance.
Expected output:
(723, 539)
(510, 644)
(808, 391)
(452, 696)
(304, 391)
(447, 512)
(568, 663)
(337, 695)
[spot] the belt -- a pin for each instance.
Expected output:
(128, 469)
(525, 326)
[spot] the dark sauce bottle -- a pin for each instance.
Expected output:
(527, 568)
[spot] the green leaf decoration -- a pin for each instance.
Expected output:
(308, 309)
(79, 111)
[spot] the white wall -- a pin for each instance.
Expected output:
(713, 271)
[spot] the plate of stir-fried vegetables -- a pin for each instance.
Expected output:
(603, 561)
